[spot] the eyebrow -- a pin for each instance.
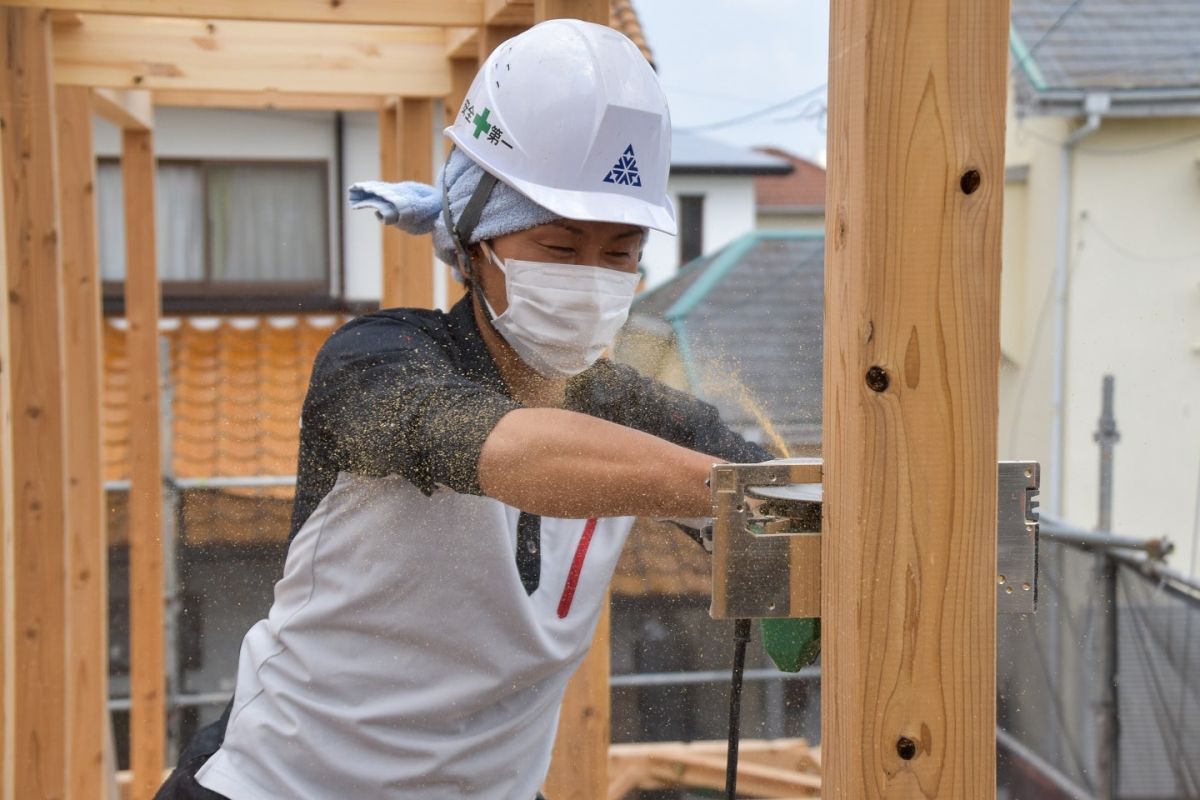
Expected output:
(579, 231)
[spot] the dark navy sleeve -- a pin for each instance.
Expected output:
(620, 394)
(388, 399)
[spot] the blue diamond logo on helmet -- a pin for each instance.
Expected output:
(625, 171)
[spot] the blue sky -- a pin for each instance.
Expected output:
(718, 59)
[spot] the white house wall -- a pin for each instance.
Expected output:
(728, 214)
(364, 243)
(1134, 312)
(240, 134)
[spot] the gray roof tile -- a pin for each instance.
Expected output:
(1108, 44)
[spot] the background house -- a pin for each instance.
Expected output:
(795, 201)
(1103, 191)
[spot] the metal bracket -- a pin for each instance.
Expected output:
(766, 538)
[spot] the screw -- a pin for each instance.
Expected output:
(906, 748)
(877, 379)
(970, 181)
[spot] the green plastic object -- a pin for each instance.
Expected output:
(792, 644)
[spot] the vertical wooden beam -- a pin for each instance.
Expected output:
(591, 10)
(462, 72)
(492, 36)
(389, 170)
(916, 156)
(7, 641)
(33, 296)
(147, 720)
(87, 547)
(416, 164)
(579, 764)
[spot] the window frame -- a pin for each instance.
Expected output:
(209, 294)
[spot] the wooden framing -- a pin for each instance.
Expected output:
(779, 768)
(233, 55)
(147, 716)
(119, 58)
(416, 164)
(87, 545)
(386, 12)
(916, 173)
(128, 109)
(7, 616)
(35, 715)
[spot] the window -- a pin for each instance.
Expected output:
(691, 227)
(226, 228)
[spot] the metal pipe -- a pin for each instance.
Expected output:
(1105, 703)
(1167, 580)
(1058, 351)
(1052, 530)
(710, 676)
(1051, 772)
(214, 482)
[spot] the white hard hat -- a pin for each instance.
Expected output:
(570, 114)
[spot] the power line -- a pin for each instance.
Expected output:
(739, 119)
(1067, 12)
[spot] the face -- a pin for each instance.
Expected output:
(612, 245)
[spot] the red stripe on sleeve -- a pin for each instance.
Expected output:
(564, 605)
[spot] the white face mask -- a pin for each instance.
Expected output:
(561, 317)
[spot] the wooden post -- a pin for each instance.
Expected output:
(591, 10)
(33, 296)
(87, 546)
(416, 164)
(7, 620)
(147, 719)
(579, 765)
(406, 154)
(916, 166)
(462, 72)
(389, 170)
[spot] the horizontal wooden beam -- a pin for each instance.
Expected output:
(383, 12)
(128, 109)
(286, 101)
(165, 53)
(508, 12)
(462, 42)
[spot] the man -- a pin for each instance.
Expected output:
(467, 479)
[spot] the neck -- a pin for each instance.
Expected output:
(527, 386)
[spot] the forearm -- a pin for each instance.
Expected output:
(563, 464)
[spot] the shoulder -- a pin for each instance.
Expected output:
(394, 328)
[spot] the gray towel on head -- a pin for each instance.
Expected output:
(417, 207)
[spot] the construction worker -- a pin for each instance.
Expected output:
(467, 479)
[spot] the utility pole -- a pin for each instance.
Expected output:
(1107, 724)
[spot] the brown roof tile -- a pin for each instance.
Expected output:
(803, 187)
(624, 18)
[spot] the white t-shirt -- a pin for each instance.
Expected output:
(402, 656)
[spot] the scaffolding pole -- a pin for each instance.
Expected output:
(1107, 722)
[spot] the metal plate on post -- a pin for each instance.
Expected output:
(760, 569)
(1018, 484)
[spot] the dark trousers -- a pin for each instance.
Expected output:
(182, 785)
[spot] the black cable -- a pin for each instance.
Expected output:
(741, 637)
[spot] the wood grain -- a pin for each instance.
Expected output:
(147, 719)
(385, 12)
(416, 164)
(240, 56)
(87, 550)
(917, 97)
(35, 590)
(591, 10)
